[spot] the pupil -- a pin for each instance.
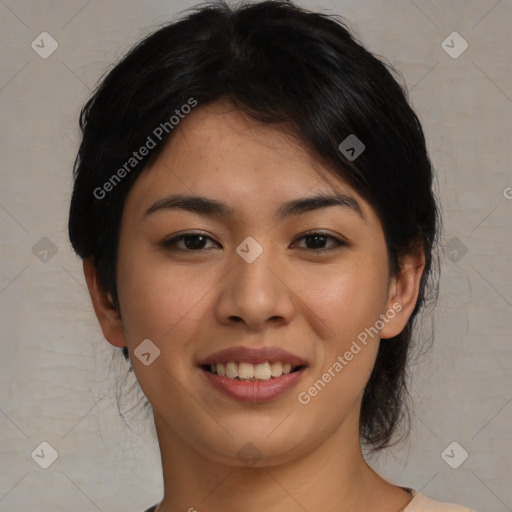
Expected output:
(317, 238)
(196, 245)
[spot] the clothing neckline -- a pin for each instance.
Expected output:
(412, 492)
(415, 496)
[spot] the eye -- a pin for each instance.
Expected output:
(196, 242)
(316, 240)
(192, 242)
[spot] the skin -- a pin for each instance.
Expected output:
(191, 304)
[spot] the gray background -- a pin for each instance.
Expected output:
(58, 376)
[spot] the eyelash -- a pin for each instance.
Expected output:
(170, 244)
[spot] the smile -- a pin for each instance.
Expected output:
(248, 371)
(253, 374)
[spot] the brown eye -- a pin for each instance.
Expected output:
(188, 242)
(316, 241)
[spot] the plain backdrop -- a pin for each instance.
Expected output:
(59, 377)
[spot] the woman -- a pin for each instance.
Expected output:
(253, 206)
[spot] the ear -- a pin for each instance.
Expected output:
(403, 292)
(109, 318)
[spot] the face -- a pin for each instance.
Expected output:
(261, 283)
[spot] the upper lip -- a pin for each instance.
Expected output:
(253, 355)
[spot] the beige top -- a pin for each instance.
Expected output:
(421, 503)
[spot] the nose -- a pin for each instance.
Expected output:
(256, 294)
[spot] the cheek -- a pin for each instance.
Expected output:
(348, 299)
(165, 306)
(350, 305)
(160, 301)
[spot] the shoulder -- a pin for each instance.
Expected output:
(421, 503)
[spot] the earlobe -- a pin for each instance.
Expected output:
(403, 293)
(108, 316)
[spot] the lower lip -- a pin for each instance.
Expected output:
(254, 391)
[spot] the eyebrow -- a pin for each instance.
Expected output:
(214, 208)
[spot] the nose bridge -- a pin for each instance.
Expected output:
(252, 291)
(253, 277)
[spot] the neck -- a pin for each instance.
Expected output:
(333, 477)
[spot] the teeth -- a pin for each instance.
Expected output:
(262, 371)
(277, 369)
(248, 371)
(245, 370)
(231, 370)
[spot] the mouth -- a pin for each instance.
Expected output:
(252, 372)
(253, 375)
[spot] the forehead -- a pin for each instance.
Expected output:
(219, 152)
(218, 139)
